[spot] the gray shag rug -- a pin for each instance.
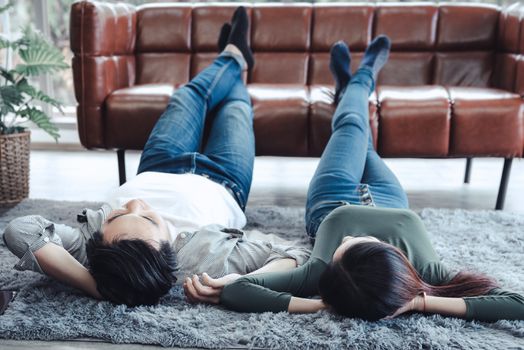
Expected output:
(487, 241)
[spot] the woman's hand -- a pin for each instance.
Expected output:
(208, 290)
(416, 304)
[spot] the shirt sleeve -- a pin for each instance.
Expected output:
(497, 305)
(25, 235)
(272, 291)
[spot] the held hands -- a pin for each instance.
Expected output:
(417, 304)
(207, 289)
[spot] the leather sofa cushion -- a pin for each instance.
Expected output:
(319, 73)
(164, 28)
(407, 69)
(162, 68)
(510, 28)
(295, 120)
(464, 68)
(467, 28)
(106, 75)
(90, 130)
(90, 23)
(485, 122)
(283, 28)
(519, 80)
(330, 24)
(280, 116)
(131, 114)
(321, 113)
(414, 121)
(281, 119)
(200, 61)
(505, 71)
(398, 22)
(280, 68)
(403, 68)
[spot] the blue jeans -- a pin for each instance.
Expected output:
(176, 143)
(350, 170)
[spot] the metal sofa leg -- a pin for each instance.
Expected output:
(501, 197)
(467, 176)
(121, 165)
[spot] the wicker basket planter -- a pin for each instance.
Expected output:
(14, 168)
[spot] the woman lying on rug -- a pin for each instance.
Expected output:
(130, 246)
(372, 259)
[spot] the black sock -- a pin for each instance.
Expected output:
(238, 35)
(224, 36)
(339, 64)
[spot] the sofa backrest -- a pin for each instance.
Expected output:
(119, 46)
(509, 60)
(432, 44)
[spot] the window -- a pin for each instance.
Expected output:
(52, 19)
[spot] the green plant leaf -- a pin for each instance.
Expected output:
(7, 74)
(10, 97)
(38, 55)
(22, 42)
(24, 87)
(40, 60)
(6, 7)
(41, 120)
(4, 42)
(6, 130)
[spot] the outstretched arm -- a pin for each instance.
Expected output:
(498, 305)
(275, 292)
(210, 289)
(455, 307)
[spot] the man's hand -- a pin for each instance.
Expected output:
(208, 290)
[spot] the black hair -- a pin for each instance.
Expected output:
(131, 271)
(372, 280)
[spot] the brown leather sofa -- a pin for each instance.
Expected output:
(452, 86)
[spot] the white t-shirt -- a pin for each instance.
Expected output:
(186, 202)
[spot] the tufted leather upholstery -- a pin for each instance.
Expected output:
(452, 86)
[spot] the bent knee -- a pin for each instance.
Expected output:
(350, 119)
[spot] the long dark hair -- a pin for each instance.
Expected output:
(131, 272)
(374, 279)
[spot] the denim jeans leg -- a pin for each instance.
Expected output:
(387, 190)
(179, 130)
(231, 141)
(342, 163)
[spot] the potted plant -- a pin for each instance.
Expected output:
(18, 107)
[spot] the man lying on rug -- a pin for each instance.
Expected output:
(367, 262)
(135, 247)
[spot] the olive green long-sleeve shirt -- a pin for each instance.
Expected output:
(399, 227)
